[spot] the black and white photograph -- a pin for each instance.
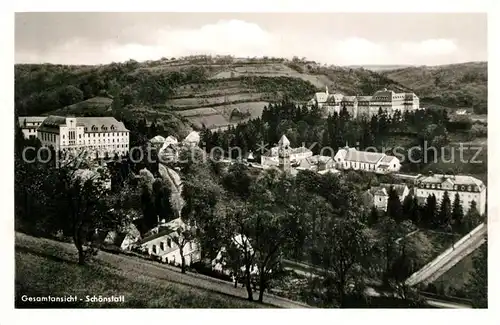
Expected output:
(236, 160)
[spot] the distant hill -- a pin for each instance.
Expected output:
(374, 67)
(202, 90)
(462, 85)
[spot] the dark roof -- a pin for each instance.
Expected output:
(363, 156)
(108, 122)
(55, 121)
(30, 119)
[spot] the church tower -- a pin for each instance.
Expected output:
(284, 154)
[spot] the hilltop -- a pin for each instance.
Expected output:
(194, 91)
(463, 85)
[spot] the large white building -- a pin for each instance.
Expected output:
(29, 125)
(99, 135)
(468, 188)
(380, 163)
(388, 100)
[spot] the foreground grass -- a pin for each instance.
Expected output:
(43, 269)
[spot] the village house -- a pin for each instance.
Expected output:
(380, 163)
(192, 139)
(100, 135)
(29, 125)
(380, 194)
(160, 242)
(468, 188)
(318, 163)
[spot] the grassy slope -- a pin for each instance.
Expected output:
(47, 267)
(226, 83)
(456, 85)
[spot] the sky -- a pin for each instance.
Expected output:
(331, 38)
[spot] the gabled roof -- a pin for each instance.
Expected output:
(283, 141)
(387, 159)
(454, 179)
(30, 119)
(166, 229)
(383, 189)
(349, 98)
(363, 156)
(157, 139)
(193, 137)
(364, 98)
(106, 121)
(334, 98)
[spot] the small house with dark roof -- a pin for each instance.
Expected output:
(381, 194)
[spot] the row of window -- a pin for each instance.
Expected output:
(103, 128)
(462, 196)
(48, 137)
(469, 188)
(113, 134)
(114, 146)
(168, 243)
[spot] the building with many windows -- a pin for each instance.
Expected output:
(380, 163)
(384, 99)
(30, 124)
(100, 135)
(468, 188)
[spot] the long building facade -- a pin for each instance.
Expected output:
(468, 188)
(358, 106)
(100, 135)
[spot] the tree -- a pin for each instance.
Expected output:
(478, 284)
(387, 244)
(472, 217)
(394, 208)
(457, 214)
(81, 210)
(183, 235)
(409, 207)
(429, 212)
(345, 249)
(444, 216)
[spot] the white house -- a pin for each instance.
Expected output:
(381, 194)
(30, 124)
(241, 242)
(192, 139)
(160, 242)
(351, 158)
(99, 135)
(468, 188)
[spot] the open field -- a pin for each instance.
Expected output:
(187, 103)
(46, 267)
